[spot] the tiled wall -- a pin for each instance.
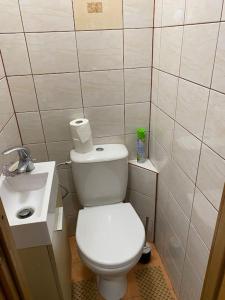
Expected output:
(9, 133)
(63, 63)
(187, 140)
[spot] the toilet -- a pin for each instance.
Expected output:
(110, 236)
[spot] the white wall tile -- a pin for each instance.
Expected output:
(162, 127)
(181, 187)
(2, 71)
(145, 207)
(142, 181)
(219, 68)
(100, 50)
(58, 91)
(186, 151)
(52, 52)
(198, 51)
(167, 93)
(106, 120)
(38, 152)
(30, 127)
(138, 15)
(56, 123)
(156, 47)
(114, 139)
(211, 176)
(192, 103)
(10, 20)
(204, 217)
(137, 85)
(158, 13)
(102, 87)
(215, 123)
(137, 48)
(173, 12)
(15, 54)
(59, 151)
(47, 15)
(197, 252)
(174, 214)
(191, 286)
(155, 86)
(136, 115)
(203, 11)
(170, 49)
(23, 93)
(6, 110)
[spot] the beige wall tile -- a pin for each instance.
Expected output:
(219, 68)
(47, 15)
(58, 91)
(15, 54)
(186, 151)
(6, 110)
(56, 123)
(137, 85)
(192, 103)
(136, 115)
(167, 93)
(173, 12)
(203, 11)
(102, 88)
(59, 151)
(204, 218)
(109, 17)
(138, 14)
(23, 93)
(137, 47)
(114, 139)
(170, 49)
(38, 152)
(215, 123)
(158, 13)
(10, 20)
(30, 127)
(155, 86)
(198, 52)
(100, 50)
(52, 52)
(106, 120)
(211, 176)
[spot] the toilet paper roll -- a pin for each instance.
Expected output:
(80, 130)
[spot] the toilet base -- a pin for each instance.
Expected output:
(112, 288)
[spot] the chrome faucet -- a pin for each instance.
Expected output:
(25, 163)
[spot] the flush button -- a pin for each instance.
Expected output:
(99, 149)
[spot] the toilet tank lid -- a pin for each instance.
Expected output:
(100, 153)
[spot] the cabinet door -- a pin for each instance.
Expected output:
(62, 258)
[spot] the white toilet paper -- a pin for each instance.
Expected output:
(81, 135)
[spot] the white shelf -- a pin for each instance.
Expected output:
(148, 165)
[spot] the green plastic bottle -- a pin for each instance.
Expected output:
(140, 144)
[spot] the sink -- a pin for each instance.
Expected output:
(29, 200)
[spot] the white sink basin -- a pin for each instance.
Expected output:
(37, 192)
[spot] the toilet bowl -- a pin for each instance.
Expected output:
(110, 240)
(110, 235)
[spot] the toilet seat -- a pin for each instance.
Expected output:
(110, 236)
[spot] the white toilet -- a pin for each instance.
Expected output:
(110, 235)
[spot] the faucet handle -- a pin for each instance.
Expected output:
(23, 152)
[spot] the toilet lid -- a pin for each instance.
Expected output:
(110, 235)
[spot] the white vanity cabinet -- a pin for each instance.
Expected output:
(47, 267)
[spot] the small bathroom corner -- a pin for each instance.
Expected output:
(112, 149)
